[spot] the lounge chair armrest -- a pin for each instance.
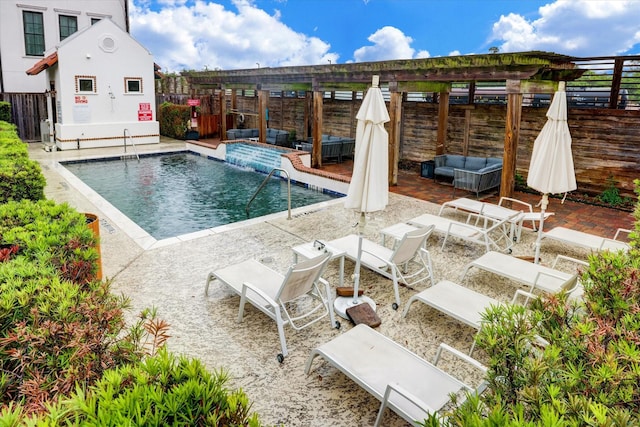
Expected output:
(528, 206)
(554, 276)
(569, 259)
(526, 295)
(459, 355)
(397, 388)
(260, 292)
(621, 230)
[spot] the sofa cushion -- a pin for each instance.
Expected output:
(444, 171)
(494, 161)
(247, 133)
(455, 161)
(474, 163)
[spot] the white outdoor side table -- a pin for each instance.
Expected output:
(308, 251)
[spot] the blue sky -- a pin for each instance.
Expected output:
(235, 34)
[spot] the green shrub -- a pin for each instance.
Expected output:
(59, 327)
(174, 120)
(163, 390)
(5, 111)
(20, 177)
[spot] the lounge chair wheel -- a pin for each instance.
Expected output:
(280, 358)
(394, 306)
(337, 325)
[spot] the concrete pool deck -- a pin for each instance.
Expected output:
(171, 277)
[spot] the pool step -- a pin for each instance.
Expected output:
(250, 156)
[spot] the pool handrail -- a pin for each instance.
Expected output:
(125, 132)
(265, 182)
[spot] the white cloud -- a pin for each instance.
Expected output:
(190, 35)
(573, 27)
(388, 43)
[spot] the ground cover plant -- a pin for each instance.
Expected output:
(564, 361)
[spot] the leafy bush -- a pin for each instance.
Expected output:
(162, 390)
(5, 111)
(174, 120)
(587, 374)
(20, 177)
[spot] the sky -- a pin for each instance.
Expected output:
(239, 34)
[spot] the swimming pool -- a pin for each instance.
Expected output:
(172, 194)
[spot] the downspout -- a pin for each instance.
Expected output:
(126, 16)
(1, 78)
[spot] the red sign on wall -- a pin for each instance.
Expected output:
(81, 99)
(193, 102)
(144, 112)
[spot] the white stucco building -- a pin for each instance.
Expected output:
(31, 28)
(102, 89)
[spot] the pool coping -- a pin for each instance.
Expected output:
(141, 237)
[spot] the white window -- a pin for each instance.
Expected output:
(133, 85)
(86, 84)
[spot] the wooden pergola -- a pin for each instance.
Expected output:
(524, 72)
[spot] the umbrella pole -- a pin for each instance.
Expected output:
(341, 304)
(543, 207)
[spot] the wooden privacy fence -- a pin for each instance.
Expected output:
(27, 111)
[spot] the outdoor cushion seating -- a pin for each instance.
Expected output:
(278, 296)
(470, 173)
(401, 380)
(333, 147)
(535, 276)
(274, 136)
(490, 232)
(393, 263)
(586, 240)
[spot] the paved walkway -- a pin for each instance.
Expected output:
(579, 216)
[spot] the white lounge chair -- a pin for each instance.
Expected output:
(403, 381)
(517, 217)
(393, 263)
(586, 240)
(492, 234)
(461, 303)
(535, 276)
(276, 295)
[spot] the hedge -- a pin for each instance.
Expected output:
(20, 177)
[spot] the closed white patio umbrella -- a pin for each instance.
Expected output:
(551, 168)
(369, 187)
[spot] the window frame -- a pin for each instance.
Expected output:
(33, 39)
(79, 79)
(133, 79)
(68, 18)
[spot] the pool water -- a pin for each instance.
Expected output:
(172, 194)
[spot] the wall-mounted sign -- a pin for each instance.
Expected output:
(144, 112)
(193, 102)
(81, 99)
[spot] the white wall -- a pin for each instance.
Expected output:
(12, 48)
(98, 119)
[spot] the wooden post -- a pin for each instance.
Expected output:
(395, 114)
(316, 151)
(234, 106)
(443, 119)
(263, 97)
(223, 114)
(512, 134)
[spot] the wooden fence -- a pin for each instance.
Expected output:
(27, 111)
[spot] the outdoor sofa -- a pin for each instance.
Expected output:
(469, 173)
(274, 136)
(333, 147)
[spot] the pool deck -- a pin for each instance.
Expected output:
(171, 276)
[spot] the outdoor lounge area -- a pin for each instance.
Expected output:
(172, 278)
